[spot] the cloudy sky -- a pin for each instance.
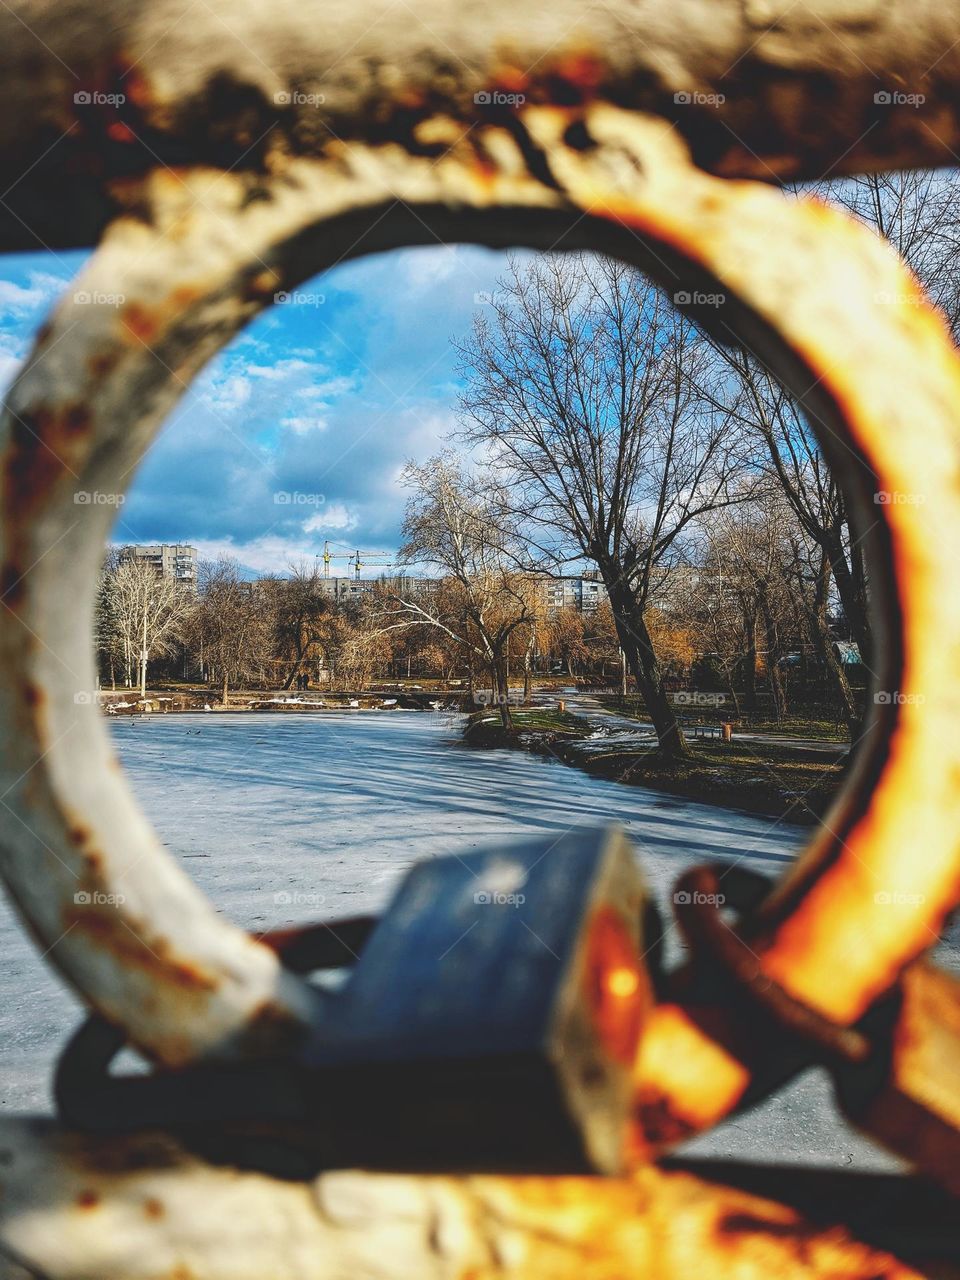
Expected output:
(323, 399)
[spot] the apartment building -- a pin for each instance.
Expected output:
(175, 560)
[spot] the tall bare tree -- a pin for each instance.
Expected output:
(233, 622)
(150, 609)
(585, 388)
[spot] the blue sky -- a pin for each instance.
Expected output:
(323, 398)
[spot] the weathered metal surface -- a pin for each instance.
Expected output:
(212, 216)
(144, 1209)
(85, 407)
(909, 1097)
(94, 95)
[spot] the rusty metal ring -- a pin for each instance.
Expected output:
(721, 952)
(197, 257)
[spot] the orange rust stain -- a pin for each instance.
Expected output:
(33, 695)
(76, 419)
(34, 463)
(155, 958)
(511, 78)
(147, 324)
(137, 88)
(153, 1208)
(139, 322)
(184, 296)
(120, 132)
(583, 69)
(101, 365)
(88, 1200)
(263, 284)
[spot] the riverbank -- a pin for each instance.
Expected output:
(126, 704)
(754, 773)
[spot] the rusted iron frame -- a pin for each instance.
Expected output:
(603, 178)
(143, 1208)
(58, 428)
(772, 89)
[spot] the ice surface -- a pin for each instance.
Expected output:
(287, 817)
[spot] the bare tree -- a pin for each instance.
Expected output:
(303, 620)
(585, 387)
(458, 525)
(150, 609)
(781, 446)
(233, 621)
(917, 212)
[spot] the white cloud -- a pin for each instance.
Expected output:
(334, 516)
(41, 289)
(303, 426)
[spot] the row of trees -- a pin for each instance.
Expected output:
(611, 431)
(598, 426)
(283, 632)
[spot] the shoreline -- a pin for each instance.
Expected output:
(733, 777)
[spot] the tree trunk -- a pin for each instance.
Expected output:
(750, 661)
(774, 674)
(225, 682)
(294, 671)
(501, 682)
(851, 597)
(143, 654)
(643, 663)
(822, 643)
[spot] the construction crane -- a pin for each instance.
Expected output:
(337, 555)
(370, 558)
(359, 559)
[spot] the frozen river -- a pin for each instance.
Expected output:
(286, 818)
